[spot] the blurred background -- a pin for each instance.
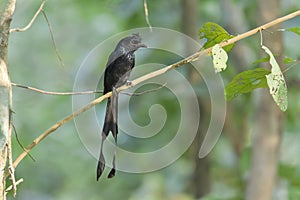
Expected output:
(64, 169)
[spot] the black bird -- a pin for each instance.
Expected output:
(118, 68)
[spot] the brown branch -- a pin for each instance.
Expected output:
(265, 26)
(53, 93)
(189, 59)
(81, 93)
(144, 92)
(31, 21)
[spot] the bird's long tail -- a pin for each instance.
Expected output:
(110, 124)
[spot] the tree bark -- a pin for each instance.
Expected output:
(6, 11)
(200, 182)
(269, 123)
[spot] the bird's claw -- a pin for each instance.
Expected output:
(128, 83)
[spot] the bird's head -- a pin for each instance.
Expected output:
(131, 43)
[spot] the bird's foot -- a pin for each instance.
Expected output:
(128, 83)
(111, 173)
(100, 169)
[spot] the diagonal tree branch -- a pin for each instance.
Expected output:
(189, 59)
(57, 125)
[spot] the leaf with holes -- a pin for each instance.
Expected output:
(214, 34)
(220, 58)
(276, 82)
(246, 82)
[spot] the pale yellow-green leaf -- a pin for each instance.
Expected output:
(220, 58)
(276, 82)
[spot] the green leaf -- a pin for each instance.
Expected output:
(276, 82)
(214, 34)
(294, 30)
(220, 58)
(262, 60)
(246, 82)
(288, 60)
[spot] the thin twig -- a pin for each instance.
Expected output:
(19, 142)
(53, 40)
(184, 61)
(296, 62)
(11, 171)
(9, 188)
(147, 14)
(31, 21)
(53, 93)
(80, 93)
(59, 124)
(144, 92)
(11, 168)
(261, 38)
(263, 27)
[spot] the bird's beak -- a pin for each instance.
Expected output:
(141, 45)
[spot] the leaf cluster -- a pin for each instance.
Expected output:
(249, 80)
